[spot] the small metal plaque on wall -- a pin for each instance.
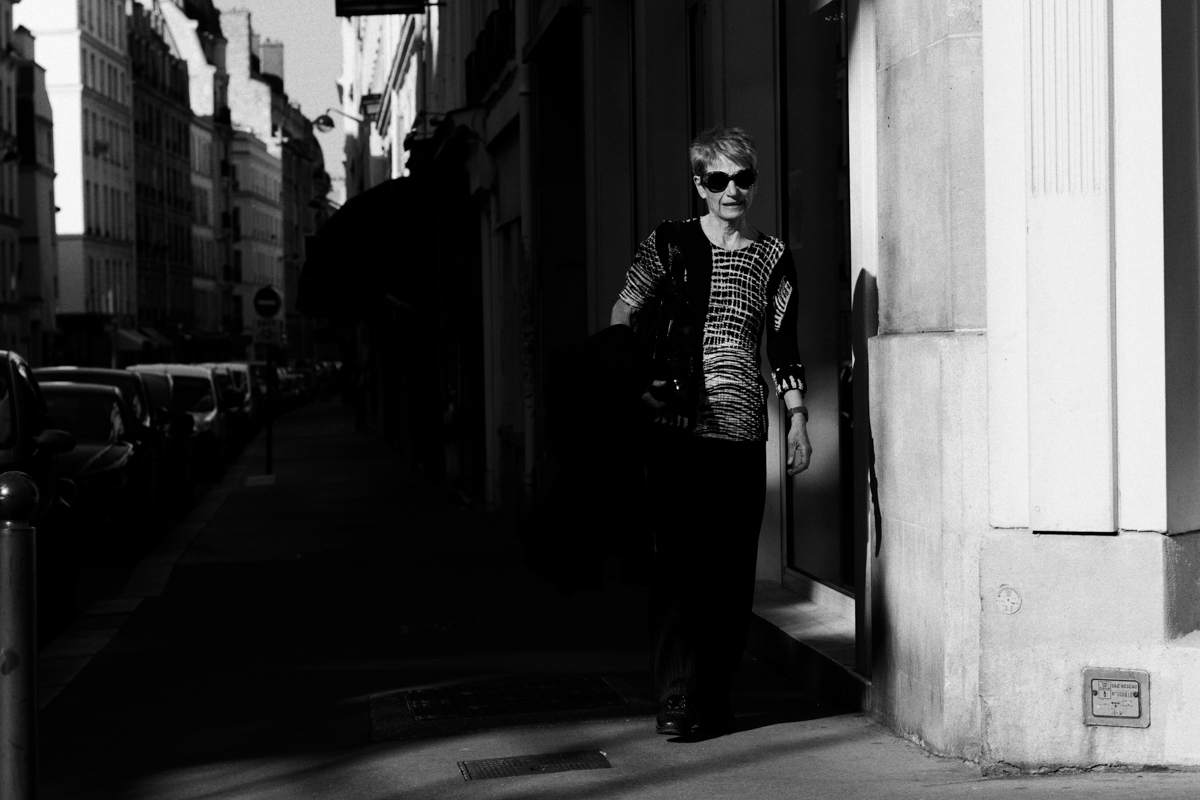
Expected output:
(1118, 697)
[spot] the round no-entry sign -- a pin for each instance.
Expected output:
(267, 302)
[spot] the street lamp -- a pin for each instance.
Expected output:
(369, 106)
(324, 123)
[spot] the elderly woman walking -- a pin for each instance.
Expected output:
(706, 457)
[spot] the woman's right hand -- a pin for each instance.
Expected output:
(799, 449)
(621, 314)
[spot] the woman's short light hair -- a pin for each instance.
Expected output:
(733, 143)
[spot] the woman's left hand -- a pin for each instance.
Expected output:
(799, 451)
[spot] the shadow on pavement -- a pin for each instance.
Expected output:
(298, 602)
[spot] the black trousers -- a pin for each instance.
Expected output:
(708, 499)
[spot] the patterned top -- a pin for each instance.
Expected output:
(733, 403)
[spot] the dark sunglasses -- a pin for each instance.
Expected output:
(717, 181)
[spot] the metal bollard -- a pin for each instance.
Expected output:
(18, 638)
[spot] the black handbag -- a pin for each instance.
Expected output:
(669, 325)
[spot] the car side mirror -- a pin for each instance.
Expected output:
(54, 441)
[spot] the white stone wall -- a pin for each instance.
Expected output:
(1090, 425)
(928, 371)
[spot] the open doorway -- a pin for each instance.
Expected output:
(820, 538)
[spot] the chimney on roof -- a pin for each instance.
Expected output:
(271, 58)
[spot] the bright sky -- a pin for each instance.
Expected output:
(312, 59)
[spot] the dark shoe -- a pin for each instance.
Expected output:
(676, 716)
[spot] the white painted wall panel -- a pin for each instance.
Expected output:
(1138, 239)
(1004, 208)
(1069, 267)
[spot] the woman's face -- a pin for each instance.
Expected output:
(732, 202)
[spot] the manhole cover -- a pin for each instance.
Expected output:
(533, 695)
(531, 765)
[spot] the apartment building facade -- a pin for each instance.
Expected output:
(164, 199)
(196, 28)
(84, 49)
(258, 256)
(13, 326)
(38, 253)
(259, 106)
(305, 190)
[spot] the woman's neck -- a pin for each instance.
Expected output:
(731, 235)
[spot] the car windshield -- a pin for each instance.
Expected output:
(89, 416)
(159, 389)
(125, 384)
(193, 394)
(237, 378)
(231, 396)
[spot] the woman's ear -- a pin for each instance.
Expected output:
(699, 187)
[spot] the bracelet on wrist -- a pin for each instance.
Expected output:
(798, 410)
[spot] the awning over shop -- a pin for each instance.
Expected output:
(157, 338)
(132, 340)
(355, 260)
(197, 345)
(396, 238)
(363, 8)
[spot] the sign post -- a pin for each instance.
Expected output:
(267, 303)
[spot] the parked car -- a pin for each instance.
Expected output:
(328, 377)
(307, 377)
(149, 437)
(194, 390)
(289, 388)
(175, 428)
(232, 399)
(260, 384)
(112, 464)
(243, 383)
(28, 444)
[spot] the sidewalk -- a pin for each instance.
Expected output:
(268, 647)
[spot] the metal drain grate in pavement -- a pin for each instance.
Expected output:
(532, 765)
(533, 695)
